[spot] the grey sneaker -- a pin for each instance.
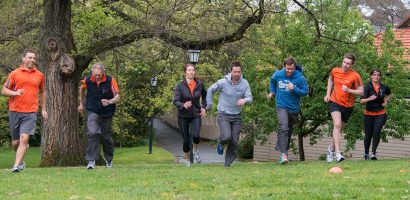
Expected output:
(197, 159)
(15, 169)
(91, 164)
(22, 165)
(330, 153)
(108, 164)
(339, 157)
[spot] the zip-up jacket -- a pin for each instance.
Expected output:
(96, 93)
(375, 105)
(183, 94)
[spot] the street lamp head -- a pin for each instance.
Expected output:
(193, 56)
(154, 81)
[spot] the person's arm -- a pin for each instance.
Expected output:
(115, 99)
(11, 93)
(272, 86)
(302, 88)
(210, 94)
(330, 83)
(81, 106)
(177, 98)
(43, 103)
(358, 91)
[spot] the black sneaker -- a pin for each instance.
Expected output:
(373, 157)
(366, 156)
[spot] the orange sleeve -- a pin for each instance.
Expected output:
(359, 81)
(42, 83)
(114, 86)
(9, 82)
(83, 84)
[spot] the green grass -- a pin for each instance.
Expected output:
(138, 175)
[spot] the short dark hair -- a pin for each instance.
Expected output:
(376, 70)
(26, 51)
(187, 65)
(236, 64)
(289, 60)
(350, 56)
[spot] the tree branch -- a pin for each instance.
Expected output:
(116, 41)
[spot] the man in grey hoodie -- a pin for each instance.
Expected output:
(234, 93)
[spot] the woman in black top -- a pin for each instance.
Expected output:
(187, 98)
(376, 96)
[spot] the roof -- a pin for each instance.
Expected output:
(401, 33)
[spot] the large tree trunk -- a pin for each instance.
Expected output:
(62, 142)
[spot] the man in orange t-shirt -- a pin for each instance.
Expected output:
(23, 86)
(342, 86)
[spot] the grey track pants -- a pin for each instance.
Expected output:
(286, 121)
(99, 128)
(229, 127)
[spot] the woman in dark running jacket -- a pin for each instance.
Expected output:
(190, 99)
(376, 96)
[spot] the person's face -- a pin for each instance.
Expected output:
(347, 64)
(289, 69)
(375, 77)
(98, 74)
(236, 73)
(29, 60)
(190, 72)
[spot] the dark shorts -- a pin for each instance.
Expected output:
(22, 123)
(344, 111)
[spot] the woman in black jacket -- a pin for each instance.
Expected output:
(376, 96)
(191, 108)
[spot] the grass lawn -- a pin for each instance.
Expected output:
(138, 175)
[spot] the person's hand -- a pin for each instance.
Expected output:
(270, 95)
(105, 102)
(345, 88)
(291, 86)
(19, 92)
(241, 102)
(373, 97)
(80, 108)
(187, 104)
(203, 113)
(327, 98)
(384, 104)
(44, 114)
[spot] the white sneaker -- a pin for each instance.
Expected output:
(91, 164)
(330, 153)
(22, 165)
(339, 157)
(197, 159)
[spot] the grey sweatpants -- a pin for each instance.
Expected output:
(286, 121)
(99, 127)
(229, 127)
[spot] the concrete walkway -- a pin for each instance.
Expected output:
(171, 140)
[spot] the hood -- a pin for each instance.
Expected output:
(229, 78)
(298, 72)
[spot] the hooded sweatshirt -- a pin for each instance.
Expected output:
(290, 100)
(230, 94)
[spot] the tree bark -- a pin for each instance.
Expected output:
(62, 143)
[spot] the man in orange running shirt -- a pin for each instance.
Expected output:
(342, 86)
(24, 86)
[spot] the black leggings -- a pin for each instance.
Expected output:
(185, 128)
(372, 128)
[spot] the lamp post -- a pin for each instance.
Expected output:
(153, 87)
(193, 57)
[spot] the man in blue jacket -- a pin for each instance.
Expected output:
(288, 85)
(235, 92)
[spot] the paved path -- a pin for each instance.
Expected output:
(171, 140)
